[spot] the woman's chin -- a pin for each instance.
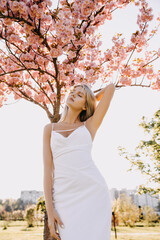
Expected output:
(69, 103)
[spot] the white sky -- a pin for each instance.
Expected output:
(21, 128)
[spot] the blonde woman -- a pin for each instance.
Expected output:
(80, 206)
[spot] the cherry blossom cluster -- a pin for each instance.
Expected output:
(48, 50)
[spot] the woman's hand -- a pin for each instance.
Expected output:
(101, 92)
(52, 224)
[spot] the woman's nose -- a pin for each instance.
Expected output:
(73, 95)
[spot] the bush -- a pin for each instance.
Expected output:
(126, 211)
(30, 215)
(18, 215)
(2, 213)
(149, 215)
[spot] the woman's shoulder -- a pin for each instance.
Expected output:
(47, 127)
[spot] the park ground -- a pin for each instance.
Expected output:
(18, 230)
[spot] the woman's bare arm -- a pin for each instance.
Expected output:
(53, 216)
(48, 172)
(105, 97)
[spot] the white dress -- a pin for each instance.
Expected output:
(80, 193)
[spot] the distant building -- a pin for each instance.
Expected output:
(138, 200)
(31, 196)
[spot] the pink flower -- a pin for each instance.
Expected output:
(48, 2)
(125, 81)
(54, 52)
(53, 96)
(71, 54)
(3, 2)
(46, 18)
(28, 92)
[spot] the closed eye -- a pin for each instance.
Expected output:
(78, 94)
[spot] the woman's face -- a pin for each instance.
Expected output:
(76, 98)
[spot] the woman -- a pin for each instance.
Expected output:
(81, 206)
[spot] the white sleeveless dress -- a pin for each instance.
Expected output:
(80, 194)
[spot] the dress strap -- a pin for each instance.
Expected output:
(61, 130)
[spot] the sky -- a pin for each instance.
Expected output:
(22, 123)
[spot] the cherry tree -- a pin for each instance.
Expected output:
(45, 51)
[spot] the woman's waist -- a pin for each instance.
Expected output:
(71, 151)
(72, 157)
(75, 163)
(64, 173)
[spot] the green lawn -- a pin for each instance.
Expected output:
(17, 231)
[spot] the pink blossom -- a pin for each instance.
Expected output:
(125, 81)
(46, 18)
(109, 16)
(54, 52)
(22, 7)
(3, 2)
(14, 6)
(65, 33)
(34, 9)
(71, 54)
(48, 2)
(53, 96)
(29, 93)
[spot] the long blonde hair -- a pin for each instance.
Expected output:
(90, 105)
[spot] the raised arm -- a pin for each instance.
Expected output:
(105, 96)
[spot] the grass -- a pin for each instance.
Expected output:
(136, 233)
(139, 229)
(127, 237)
(18, 230)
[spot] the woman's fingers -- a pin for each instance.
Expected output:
(58, 219)
(55, 235)
(53, 225)
(53, 232)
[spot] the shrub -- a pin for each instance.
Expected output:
(126, 211)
